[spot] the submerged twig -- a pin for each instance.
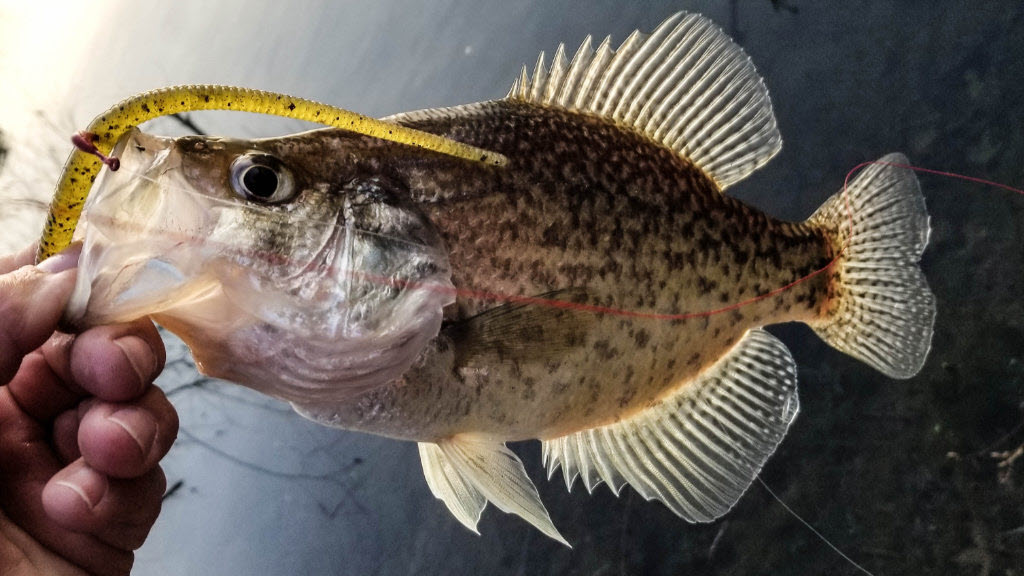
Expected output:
(187, 122)
(172, 489)
(1006, 460)
(784, 5)
(331, 477)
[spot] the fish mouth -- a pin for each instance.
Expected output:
(316, 321)
(133, 235)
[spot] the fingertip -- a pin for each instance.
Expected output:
(127, 440)
(117, 512)
(140, 356)
(139, 425)
(31, 304)
(72, 496)
(118, 363)
(65, 260)
(115, 446)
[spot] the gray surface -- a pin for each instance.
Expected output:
(897, 474)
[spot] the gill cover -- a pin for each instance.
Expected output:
(316, 305)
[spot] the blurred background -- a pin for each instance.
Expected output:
(907, 477)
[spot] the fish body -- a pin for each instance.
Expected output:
(590, 213)
(598, 291)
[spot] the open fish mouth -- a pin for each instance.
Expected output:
(301, 304)
(135, 237)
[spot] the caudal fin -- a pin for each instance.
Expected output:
(881, 310)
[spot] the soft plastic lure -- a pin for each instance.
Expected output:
(94, 143)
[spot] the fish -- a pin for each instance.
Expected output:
(599, 291)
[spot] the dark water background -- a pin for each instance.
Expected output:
(898, 474)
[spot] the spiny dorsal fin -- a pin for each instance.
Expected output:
(686, 85)
(698, 450)
(466, 472)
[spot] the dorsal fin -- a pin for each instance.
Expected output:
(686, 85)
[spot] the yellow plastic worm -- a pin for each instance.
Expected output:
(82, 166)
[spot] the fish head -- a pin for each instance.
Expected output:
(287, 265)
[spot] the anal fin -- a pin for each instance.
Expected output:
(698, 450)
(466, 472)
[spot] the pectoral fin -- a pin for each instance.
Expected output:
(698, 450)
(545, 327)
(466, 472)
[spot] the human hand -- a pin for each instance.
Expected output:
(82, 429)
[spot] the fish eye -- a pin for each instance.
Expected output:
(262, 178)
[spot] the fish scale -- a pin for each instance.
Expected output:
(631, 251)
(673, 226)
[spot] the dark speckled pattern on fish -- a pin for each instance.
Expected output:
(591, 286)
(590, 205)
(594, 289)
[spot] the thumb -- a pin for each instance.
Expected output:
(32, 300)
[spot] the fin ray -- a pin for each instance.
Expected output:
(686, 85)
(651, 77)
(577, 68)
(699, 449)
(883, 311)
(466, 472)
(463, 500)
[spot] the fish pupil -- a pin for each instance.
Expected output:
(260, 181)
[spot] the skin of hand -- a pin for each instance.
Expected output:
(82, 429)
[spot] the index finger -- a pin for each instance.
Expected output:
(12, 262)
(32, 300)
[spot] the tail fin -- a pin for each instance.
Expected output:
(882, 311)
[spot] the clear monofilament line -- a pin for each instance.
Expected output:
(813, 529)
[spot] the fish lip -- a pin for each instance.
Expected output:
(116, 220)
(137, 143)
